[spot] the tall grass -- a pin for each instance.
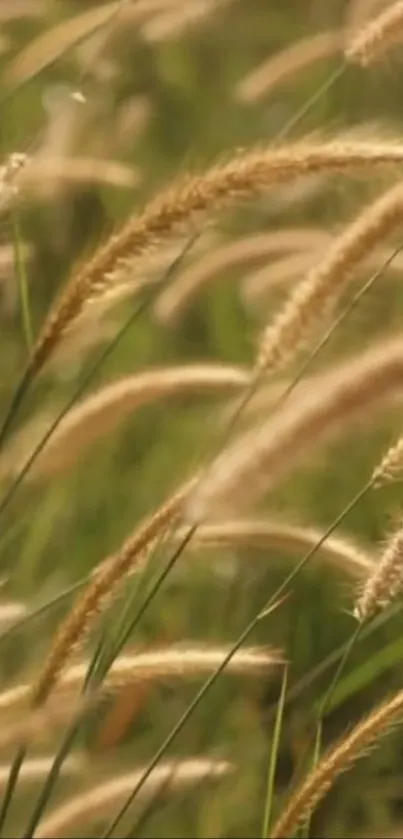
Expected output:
(199, 464)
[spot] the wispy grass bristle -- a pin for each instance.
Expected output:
(181, 661)
(243, 175)
(377, 37)
(99, 593)
(267, 452)
(391, 465)
(340, 758)
(95, 802)
(385, 583)
(270, 535)
(102, 412)
(311, 299)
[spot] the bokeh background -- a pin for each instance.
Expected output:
(148, 96)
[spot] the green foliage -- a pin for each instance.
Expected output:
(59, 526)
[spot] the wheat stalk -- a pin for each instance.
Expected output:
(339, 759)
(374, 40)
(244, 174)
(283, 337)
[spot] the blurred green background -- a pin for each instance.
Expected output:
(164, 105)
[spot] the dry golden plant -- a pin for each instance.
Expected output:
(99, 593)
(174, 22)
(11, 611)
(37, 769)
(38, 726)
(377, 37)
(56, 41)
(272, 535)
(53, 42)
(258, 284)
(183, 661)
(173, 300)
(243, 175)
(282, 66)
(359, 12)
(266, 453)
(384, 583)
(339, 759)
(287, 270)
(391, 464)
(75, 170)
(96, 802)
(103, 411)
(312, 298)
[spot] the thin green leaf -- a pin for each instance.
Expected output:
(22, 281)
(188, 713)
(275, 744)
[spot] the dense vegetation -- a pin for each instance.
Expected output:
(109, 112)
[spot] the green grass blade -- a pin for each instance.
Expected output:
(268, 804)
(69, 738)
(272, 603)
(128, 629)
(148, 299)
(188, 713)
(324, 706)
(110, 646)
(364, 675)
(334, 657)
(301, 112)
(11, 785)
(22, 282)
(43, 800)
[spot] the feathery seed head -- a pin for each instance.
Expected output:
(325, 282)
(385, 583)
(377, 36)
(241, 176)
(390, 466)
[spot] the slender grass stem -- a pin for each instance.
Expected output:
(327, 698)
(274, 749)
(51, 779)
(11, 785)
(188, 713)
(94, 369)
(22, 281)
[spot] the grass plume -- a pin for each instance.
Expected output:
(243, 175)
(339, 759)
